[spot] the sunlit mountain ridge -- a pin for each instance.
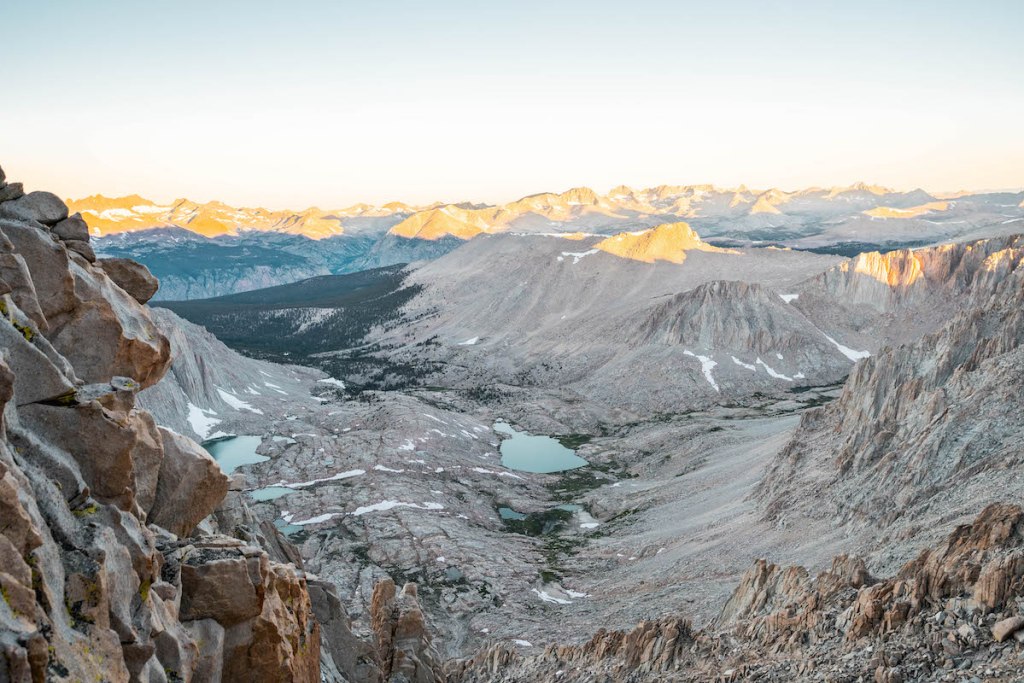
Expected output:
(571, 210)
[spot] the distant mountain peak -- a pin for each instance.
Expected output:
(665, 242)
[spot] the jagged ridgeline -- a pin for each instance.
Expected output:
(201, 250)
(123, 554)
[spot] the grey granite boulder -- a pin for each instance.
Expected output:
(132, 277)
(44, 207)
(191, 485)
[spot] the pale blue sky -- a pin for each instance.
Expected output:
(328, 103)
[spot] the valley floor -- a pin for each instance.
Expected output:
(408, 486)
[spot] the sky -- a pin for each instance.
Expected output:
(302, 103)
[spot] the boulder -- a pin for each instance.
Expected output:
(1001, 630)
(147, 457)
(45, 207)
(100, 441)
(190, 486)
(109, 333)
(223, 584)
(18, 527)
(282, 644)
(18, 282)
(83, 248)
(99, 328)
(72, 228)
(47, 265)
(132, 277)
(20, 343)
(11, 191)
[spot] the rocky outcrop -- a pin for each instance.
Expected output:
(132, 277)
(921, 433)
(953, 608)
(904, 276)
(403, 642)
(103, 572)
(952, 598)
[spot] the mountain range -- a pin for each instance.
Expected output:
(203, 250)
(786, 463)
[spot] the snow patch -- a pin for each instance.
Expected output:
(334, 477)
(237, 403)
(770, 371)
(314, 520)
(332, 381)
(547, 597)
(748, 366)
(385, 505)
(847, 351)
(199, 420)
(382, 468)
(789, 298)
(706, 366)
(577, 255)
(481, 470)
(470, 342)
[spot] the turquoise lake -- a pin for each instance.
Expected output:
(231, 452)
(529, 453)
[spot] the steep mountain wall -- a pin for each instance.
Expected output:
(923, 433)
(191, 266)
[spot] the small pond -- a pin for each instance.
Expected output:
(529, 453)
(286, 528)
(270, 493)
(509, 513)
(231, 452)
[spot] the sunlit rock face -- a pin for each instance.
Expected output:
(114, 215)
(906, 277)
(668, 242)
(925, 430)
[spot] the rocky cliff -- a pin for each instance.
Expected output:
(922, 433)
(104, 575)
(901, 295)
(191, 266)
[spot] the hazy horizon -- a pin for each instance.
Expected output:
(163, 201)
(330, 104)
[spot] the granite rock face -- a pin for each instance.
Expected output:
(132, 277)
(922, 433)
(106, 572)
